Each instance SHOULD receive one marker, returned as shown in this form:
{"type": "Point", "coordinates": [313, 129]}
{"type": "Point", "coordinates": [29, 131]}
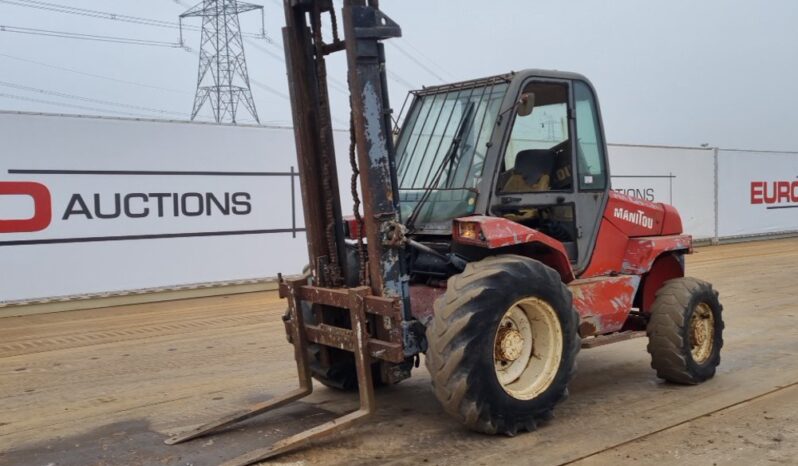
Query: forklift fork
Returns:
{"type": "Point", "coordinates": [359, 343]}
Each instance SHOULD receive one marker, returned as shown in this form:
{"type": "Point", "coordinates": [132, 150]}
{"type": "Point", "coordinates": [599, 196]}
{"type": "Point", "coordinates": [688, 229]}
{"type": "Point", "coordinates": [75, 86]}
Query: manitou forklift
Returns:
{"type": "Point", "coordinates": [490, 241]}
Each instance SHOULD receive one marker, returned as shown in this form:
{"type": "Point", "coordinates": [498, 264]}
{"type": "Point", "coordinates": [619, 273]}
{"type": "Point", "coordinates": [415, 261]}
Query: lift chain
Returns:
{"type": "Point", "coordinates": [333, 269]}
{"type": "Point", "coordinates": [334, 24]}
{"type": "Point", "coordinates": [361, 254]}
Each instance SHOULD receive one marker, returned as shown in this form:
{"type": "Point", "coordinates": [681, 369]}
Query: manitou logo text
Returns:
{"type": "Point", "coordinates": [638, 218]}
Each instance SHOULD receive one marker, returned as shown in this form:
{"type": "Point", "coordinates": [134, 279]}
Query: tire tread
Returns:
{"type": "Point", "coordinates": [667, 330]}
{"type": "Point", "coordinates": [449, 336]}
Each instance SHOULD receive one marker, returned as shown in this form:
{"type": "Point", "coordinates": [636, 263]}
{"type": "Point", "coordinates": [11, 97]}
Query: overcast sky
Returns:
{"type": "Point", "coordinates": [677, 72]}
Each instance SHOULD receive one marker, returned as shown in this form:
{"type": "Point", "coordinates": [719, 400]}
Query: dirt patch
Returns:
{"type": "Point", "coordinates": [135, 443]}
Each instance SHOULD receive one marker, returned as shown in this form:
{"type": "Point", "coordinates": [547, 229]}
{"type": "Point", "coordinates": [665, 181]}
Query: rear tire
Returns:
{"type": "Point", "coordinates": [685, 333]}
{"type": "Point", "coordinates": [475, 367]}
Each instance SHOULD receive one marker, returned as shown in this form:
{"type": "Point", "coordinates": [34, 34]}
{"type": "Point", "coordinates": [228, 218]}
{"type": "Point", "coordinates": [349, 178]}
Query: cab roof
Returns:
{"type": "Point", "coordinates": [499, 78]}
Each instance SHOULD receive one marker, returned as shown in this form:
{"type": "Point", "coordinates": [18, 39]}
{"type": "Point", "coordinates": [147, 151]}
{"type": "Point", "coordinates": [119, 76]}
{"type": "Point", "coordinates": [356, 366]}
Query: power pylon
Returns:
{"type": "Point", "coordinates": [222, 80]}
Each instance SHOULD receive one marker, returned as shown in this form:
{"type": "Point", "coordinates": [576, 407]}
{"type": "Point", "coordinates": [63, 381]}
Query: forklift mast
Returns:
{"type": "Point", "coordinates": [376, 329]}
{"type": "Point", "coordinates": [364, 27]}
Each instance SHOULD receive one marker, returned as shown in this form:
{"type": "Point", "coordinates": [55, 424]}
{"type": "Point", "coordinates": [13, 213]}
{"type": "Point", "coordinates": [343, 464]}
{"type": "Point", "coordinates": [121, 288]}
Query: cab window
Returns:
{"type": "Point", "coordinates": [538, 154]}
{"type": "Point", "coordinates": [589, 146]}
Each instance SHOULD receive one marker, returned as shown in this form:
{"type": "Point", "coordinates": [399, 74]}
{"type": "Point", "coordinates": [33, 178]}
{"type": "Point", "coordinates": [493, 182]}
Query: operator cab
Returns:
{"type": "Point", "coordinates": [527, 146]}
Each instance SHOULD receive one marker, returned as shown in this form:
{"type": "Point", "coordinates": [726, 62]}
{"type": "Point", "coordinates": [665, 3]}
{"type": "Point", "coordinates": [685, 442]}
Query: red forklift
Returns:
{"type": "Point", "coordinates": [490, 242]}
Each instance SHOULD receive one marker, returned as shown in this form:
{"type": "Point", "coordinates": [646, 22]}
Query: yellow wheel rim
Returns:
{"type": "Point", "coordinates": [702, 333]}
{"type": "Point", "coordinates": [527, 348]}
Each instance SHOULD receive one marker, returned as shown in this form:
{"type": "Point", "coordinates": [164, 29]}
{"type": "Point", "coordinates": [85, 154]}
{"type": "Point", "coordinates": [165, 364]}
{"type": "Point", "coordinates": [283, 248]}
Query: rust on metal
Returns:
{"type": "Point", "coordinates": [499, 232]}
{"type": "Point", "coordinates": [377, 312]}
{"type": "Point", "coordinates": [642, 252]}
{"type": "Point", "coordinates": [303, 372]}
{"type": "Point", "coordinates": [337, 337]}
{"type": "Point", "coordinates": [365, 26]}
{"type": "Point", "coordinates": [602, 340]}
{"type": "Point", "coordinates": [422, 298]}
{"type": "Point", "coordinates": [357, 340]}
{"type": "Point", "coordinates": [702, 333]}
{"type": "Point", "coordinates": [461, 85]}
{"type": "Point", "coordinates": [338, 297]}
{"type": "Point", "coordinates": [604, 302]}
{"type": "Point", "coordinates": [307, 84]}
{"type": "Point", "coordinates": [341, 338]}
{"type": "Point", "coordinates": [587, 329]}
{"type": "Point", "coordinates": [509, 344]}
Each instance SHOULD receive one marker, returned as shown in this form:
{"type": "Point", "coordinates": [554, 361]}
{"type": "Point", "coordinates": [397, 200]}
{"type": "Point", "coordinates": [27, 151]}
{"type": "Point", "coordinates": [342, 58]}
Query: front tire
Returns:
{"type": "Point", "coordinates": [685, 333]}
{"type": "Point", "coordinates": [503, 344]}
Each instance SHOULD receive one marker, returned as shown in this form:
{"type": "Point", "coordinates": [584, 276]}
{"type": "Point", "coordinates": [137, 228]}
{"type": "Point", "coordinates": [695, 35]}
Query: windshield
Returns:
{"type": "Point", "coordinates": [427, 142]}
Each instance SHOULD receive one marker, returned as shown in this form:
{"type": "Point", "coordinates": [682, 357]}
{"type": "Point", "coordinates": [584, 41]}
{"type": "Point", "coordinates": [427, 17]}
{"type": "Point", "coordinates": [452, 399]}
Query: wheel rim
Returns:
{"type": "Point", "coordinates": [527, 348]}
{"type": "Point", "coordinates": [702, 333]}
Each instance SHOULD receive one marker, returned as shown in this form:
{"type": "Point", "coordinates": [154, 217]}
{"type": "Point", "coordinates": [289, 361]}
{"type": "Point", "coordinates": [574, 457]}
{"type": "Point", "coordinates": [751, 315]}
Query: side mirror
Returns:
{"type": "Point", "coordinates": [525, 104]}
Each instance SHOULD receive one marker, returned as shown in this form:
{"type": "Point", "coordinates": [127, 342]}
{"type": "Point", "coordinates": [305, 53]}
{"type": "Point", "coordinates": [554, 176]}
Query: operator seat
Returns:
{"type": "Point", "coordinates": [532, 172]}
{"type": "Point", "coordinates": [562, 176]}
{"type": "Point", "coordinates": [539, 170]}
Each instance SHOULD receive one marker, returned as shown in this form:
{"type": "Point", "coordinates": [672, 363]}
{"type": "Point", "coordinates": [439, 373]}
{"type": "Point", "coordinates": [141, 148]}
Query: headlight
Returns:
{"type": "Point", "coordinates": [468, 231]}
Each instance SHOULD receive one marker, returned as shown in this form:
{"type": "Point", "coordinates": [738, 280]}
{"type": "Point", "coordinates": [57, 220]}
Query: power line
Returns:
{"type": "Point", "coordinates": [87, 99]}
{"type": "Point", "coordinates": [58, 8]}
{"type": "Point", "coordinates": [64, 104]}
{"type": "Point", "coordinates": [274, 55]}
{"type": "Point", "coordinates": [269, 89]}
{"type": "Point", "coordinates": [426, 58]}
{"type": "Point", "coordinates": [401, 80]}
{"type": "Point", "coordinates": [95, 37]}
{"type": "Point", "coordinates": [86, 12]}
{"type": "Point", "coordinates": [334, 83]}
{"type": "Point", "coordinates": [417, 62]}
{"type": "Point", "coordinates": [108, 78]}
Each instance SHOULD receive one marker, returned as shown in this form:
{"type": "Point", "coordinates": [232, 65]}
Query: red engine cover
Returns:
{"type": "Point", "coordinates": [636, 217]}
{"type": "Point", "coordinates": [672, 223]}
{"type": "Point", "coordinates": [630, 225]}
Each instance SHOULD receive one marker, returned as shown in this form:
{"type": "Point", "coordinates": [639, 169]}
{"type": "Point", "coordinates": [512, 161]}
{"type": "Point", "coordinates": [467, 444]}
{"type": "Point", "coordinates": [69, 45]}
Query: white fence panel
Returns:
{"type": "Point", "coordinates": [144, 205]}
{"type": "Point", "coordinates": [758, 192]}
{"type": "Point", "coordinates": [98, 205]}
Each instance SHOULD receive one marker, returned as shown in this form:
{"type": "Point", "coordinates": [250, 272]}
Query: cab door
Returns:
{"type": "Point", "coordinates": [592, 174]}
{"type": "Point", "coordinates": [553, 174]}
